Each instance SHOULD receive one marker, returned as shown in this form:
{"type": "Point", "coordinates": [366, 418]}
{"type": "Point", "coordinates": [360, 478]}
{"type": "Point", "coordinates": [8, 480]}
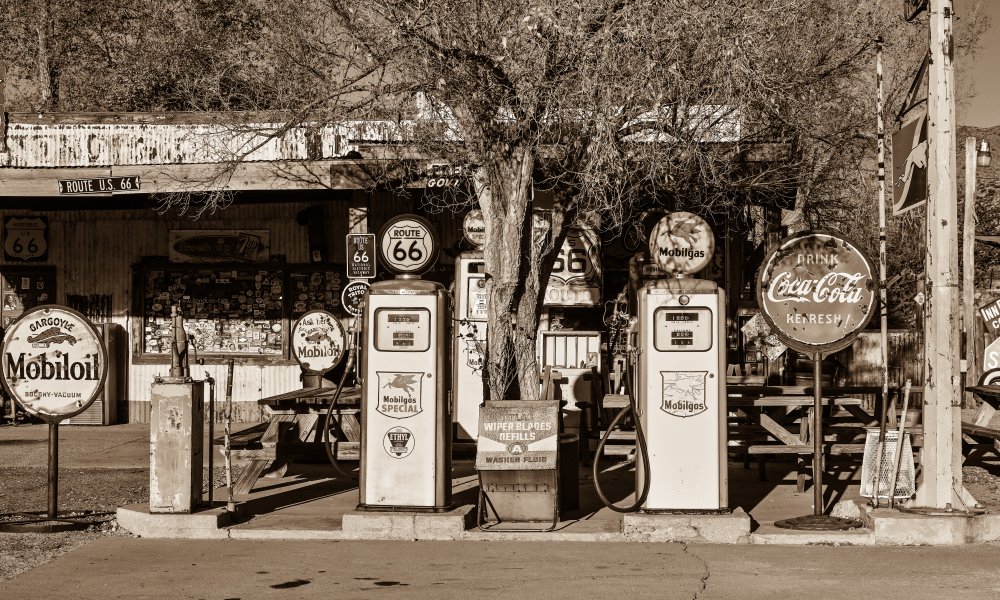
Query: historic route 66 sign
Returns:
{"type": "Point", "coordinates": [25, 238]}
{"type": "Point", "coordinates": [408, 245]}
{"type": "Point", "coordinates": [360, 255]}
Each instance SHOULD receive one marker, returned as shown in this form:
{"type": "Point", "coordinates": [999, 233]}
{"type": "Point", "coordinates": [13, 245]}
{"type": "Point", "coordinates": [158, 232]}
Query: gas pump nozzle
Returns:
{"type": "Point", "coordinates": [352, 349]}
{"type": "Point", "coordinates": [179, 365]}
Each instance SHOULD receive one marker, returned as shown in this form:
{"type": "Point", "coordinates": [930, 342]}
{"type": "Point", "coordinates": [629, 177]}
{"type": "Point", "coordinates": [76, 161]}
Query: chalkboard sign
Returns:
{"type": "Point", "coordinates": [240, 310]}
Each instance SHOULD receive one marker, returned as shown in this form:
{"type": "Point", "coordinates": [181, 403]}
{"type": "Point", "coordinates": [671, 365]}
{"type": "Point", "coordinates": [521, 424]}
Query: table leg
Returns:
{"type": "Point", "coordinates": [269, 442]}
{"type": "Point", "coordinates": [800, 462]}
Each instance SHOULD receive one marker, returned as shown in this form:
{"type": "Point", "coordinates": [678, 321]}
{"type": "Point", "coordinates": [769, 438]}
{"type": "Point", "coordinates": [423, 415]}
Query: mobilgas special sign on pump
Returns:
{"type": "Point", "coordinates": [406, 433]}
{"type": "Point", "coordinates": [681, 391]}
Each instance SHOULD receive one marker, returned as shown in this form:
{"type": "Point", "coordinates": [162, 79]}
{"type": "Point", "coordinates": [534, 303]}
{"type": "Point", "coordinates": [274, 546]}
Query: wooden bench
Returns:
{"type": "Point", "coordinates": [770, 411]}
{"type": "Point", "coordinates": [294, 432]}
{"type": "Point", "coordinates": [978, 434]}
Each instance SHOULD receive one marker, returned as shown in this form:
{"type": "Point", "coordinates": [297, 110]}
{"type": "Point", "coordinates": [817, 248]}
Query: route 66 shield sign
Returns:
{"type": "Point", "coordinates": [25, 238]}
{"type": "Point", "coordinates": [408, 244]}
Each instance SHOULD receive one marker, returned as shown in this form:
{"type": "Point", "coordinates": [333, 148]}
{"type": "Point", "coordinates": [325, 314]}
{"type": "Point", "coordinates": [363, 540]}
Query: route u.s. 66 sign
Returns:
{"type": "Point", "coordinates": [817, 291]}
{"type": "Point", "coordinates": [53, 363]}
{"type": "Point", "coordinates": [408, 245]}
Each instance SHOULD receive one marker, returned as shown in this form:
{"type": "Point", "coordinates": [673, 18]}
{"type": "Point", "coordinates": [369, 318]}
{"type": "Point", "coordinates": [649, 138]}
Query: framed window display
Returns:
{"type": "Point", "coordinates": [229, 310]}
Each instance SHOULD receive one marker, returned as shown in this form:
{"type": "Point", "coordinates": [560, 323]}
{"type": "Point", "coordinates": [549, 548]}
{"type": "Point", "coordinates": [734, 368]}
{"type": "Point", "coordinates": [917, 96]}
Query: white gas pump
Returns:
{"type": "Point", "coordinates": [679, 369]}
{"type": "Point", "coordinates": [468, 351]}
{"type": "Point", "coordinates": [406, 421]}
{"type": "Point", "coordinates": [682, 394]}
{"type": "Point", "coordinates": [682, 372]}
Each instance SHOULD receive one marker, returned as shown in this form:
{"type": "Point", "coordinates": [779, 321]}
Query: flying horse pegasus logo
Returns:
{"type": "Point", "coordinates": [916, 159]}
{"type": "Point", "coordinates": [403, 381]}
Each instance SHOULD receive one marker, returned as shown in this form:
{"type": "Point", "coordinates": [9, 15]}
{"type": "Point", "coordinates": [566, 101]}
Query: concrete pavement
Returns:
{"type": "Point", "coordinates": [310, 502]}
{"type": "Point", "coordinates": [121, 567]}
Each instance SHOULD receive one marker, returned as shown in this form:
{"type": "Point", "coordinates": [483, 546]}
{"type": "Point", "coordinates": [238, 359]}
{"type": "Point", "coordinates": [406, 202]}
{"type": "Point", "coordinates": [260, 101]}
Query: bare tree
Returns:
{"type": "Point", "coordinates": [611, 107]}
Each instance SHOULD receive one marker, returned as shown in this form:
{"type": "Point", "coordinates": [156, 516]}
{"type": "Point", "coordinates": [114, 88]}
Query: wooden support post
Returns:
{"type": "Point", "coordinates": [3, 106]}
{"type": "Point", "coordinates": [968, 265]}
{"type": "Point", "coordinates": [942, 472]}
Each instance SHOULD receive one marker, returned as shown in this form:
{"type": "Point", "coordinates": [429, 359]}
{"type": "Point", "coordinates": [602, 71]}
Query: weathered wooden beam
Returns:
{"type": "Point", "coordinates": [3, 106]}
{"type": "Point", "coordinates": [775, 429]}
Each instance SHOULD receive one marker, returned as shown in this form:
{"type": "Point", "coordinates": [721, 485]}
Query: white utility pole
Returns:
{"type": "Point", "coordinates": [941, 456]}
{"type": "Point", "coordinates": [971, 371]}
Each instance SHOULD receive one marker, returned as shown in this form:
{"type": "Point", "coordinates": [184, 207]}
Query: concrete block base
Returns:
{"type": "Point", "coordinates": [894, 528]}
{"type": "Point", "coordinates": [409, 525]}
{"type": "Point", "coordinates": [984, 529]}
{"type": "Point", "coordinates": [788, 537]}
{"type": "Point", "coordinates": [731, 528]}
{"type": "Point", "coordinates": [206, 524]}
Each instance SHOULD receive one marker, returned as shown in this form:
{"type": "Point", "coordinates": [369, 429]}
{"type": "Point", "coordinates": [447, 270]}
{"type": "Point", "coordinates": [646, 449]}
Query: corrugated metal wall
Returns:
{"type": "Point", "coordinates": [94, 251]}
{"type": "Point", "coordinates": [79, 144]}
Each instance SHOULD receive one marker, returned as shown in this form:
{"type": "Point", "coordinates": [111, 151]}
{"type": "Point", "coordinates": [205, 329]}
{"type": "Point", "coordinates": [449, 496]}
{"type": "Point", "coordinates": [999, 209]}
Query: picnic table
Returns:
{"type": "Point", "coordinates": [777, 420]}
{"type": "Point", "coordinates": [294, 431]}
{"type": "Point", "coordinates": [980, 433]}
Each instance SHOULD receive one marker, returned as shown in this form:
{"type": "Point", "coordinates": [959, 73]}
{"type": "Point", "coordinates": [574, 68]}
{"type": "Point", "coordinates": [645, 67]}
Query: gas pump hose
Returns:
{"type": "Point", "coordinates": [328, 444]}
{"type": "Point", "coordinates": [640, 443]}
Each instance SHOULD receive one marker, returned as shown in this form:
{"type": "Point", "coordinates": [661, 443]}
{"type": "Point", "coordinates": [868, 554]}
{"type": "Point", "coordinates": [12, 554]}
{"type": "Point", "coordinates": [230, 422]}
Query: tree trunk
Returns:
{"type": "Point", "coordinates": [48, 79]}
{"type": "Point", "coordinates": [504, 190]}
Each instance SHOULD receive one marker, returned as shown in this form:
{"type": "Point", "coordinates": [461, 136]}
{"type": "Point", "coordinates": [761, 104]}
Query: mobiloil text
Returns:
{"type": "Point", "coordinates": [62, 368]}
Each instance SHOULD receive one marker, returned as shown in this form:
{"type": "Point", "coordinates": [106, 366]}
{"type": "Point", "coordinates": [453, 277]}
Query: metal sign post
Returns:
{"type": "Point", "coordinates": [817, 427]}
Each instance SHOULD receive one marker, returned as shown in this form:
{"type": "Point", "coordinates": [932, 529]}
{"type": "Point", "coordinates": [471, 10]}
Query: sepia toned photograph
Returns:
{"type": "Point", "coordinates": [514, 299]}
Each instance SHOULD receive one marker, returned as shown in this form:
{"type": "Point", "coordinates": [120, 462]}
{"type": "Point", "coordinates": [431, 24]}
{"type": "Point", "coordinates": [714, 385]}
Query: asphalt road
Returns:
{"type": "Point", "coordinates": [123, 567]}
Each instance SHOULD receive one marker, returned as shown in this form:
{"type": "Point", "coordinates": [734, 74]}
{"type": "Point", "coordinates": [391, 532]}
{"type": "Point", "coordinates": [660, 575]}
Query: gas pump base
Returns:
{"type": "Point", "coordinates": [714, 528]}
{"type": "Point", "coordinates": [449, 524]}
{"type": "Point", "coordinates": [405, 509]}
{"type": "Point", "coordinates": [175, 445]}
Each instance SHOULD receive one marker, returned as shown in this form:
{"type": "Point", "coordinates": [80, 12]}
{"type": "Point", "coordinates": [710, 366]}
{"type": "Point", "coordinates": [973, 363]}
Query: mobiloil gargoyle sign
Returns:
{"type": "Point", "coordinates": [54, 362]}
{"type": "Point", "coordinates": [816, 290]}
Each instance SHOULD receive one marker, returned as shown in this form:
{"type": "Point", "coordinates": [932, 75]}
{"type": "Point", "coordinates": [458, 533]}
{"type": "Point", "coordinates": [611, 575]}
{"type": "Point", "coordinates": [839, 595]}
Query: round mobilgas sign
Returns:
{"type": "Point", "coordinates": [54, 362]}
{"type": "Point", "coordinates": [318, 341]}
{"type": "Point", "coordinates": [353, 297]}
{"type": "Point", "coordinates": [681, 242]}
{"type": "Point", "coordinates": [408, 245]}
{"type": "Point", "coordinates": [475, 228]}
{"type": "Point", "coordinates": [817, 291]}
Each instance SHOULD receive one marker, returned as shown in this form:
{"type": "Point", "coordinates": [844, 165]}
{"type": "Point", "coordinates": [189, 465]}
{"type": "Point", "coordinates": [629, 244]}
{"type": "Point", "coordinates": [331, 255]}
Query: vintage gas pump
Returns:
{"type": "Point", "coordinates": [469, 337]}
{"type": "Point", "coordinates": [406, 432]}
{"type": "Point", "coordinates": [679, 393]}
{"type": "Point", "coordinates": [681, 372]}
{"type": "Point", "coordinates": [175, 431]}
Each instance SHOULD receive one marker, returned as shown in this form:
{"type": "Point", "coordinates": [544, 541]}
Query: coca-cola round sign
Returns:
{"type": "Point", "coordinates": [817, 291]}
{"type": "Point", "coordinates": [54, 362]}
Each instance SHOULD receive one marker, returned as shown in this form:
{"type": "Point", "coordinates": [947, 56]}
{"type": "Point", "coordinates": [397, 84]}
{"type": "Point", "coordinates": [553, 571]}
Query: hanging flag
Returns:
{"type": "Point", "coordinates": [909, 146]}
{"type": "Point", "coordinates": [909, 165]}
